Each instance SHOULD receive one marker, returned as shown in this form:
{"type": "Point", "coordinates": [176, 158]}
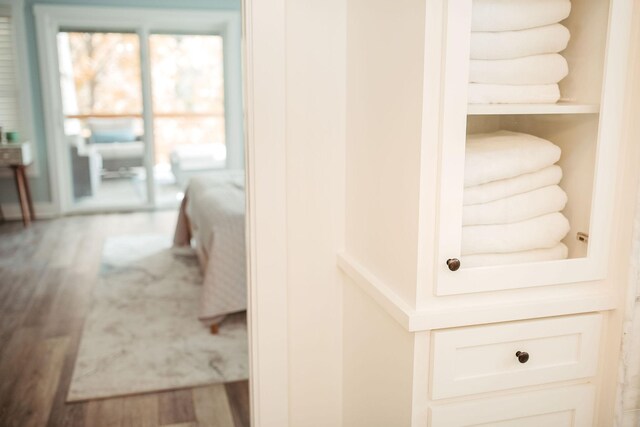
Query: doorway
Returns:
{"type": "Point", "coordinates": [266, 177]}
{"type": "Point", "coordinates": [101, 88]}
{"type": "Point", "coordinates": [140, 105]}
{"type": "Point", "coordinates": [187, 81]}
{"type": "Point", "coordinates": [104, 125]}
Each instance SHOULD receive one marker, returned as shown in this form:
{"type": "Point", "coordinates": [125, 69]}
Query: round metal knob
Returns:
{"type": "Point", "coordinates": [453, 264]}
{"type": "Point", "coordinates": [523, 356]}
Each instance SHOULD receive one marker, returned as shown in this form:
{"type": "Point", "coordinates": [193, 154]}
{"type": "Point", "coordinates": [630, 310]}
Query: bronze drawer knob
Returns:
{"type": "Point", "coordinates": [523, 356]}
{"type": "Point", "coordinates": [453, 264]}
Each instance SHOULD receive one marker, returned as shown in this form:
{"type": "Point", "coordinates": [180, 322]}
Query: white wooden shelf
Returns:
{"type": "Point", "coordinates": [443, 314]}
{"type": "Point", "coordinates": [506, 109]}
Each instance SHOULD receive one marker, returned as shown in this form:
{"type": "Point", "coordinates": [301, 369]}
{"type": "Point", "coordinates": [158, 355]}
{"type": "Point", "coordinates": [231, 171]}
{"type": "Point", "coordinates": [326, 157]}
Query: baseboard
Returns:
{"type": "Point", "coordinates": [44, 210]}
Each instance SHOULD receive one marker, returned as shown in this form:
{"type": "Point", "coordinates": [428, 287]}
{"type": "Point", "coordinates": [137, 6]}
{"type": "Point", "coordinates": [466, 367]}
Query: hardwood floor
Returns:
{"type": "Point", "coordinates": [47, 273]}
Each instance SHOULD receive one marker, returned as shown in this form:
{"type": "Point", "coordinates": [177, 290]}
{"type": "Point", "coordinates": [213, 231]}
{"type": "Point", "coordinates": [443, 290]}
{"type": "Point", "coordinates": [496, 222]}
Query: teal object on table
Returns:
{"type": "Point", "coordinates": [12, 136]}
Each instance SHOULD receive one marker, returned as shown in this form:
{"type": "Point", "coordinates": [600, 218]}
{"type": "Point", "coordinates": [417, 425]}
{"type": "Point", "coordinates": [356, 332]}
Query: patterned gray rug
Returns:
{"type": "Point", "coordinates": [143, 335]}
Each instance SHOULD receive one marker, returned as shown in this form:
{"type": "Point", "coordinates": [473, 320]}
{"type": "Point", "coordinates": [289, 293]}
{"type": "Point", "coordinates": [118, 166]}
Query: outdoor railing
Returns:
{"type": "Point", "coordinates": [139, 115]}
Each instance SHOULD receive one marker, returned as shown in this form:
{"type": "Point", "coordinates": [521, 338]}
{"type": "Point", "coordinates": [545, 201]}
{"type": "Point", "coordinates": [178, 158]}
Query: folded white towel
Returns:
{"type": "Point", "coordinates": [505, 154]}
{"type": "Point", "coordinates": [496, 190]}
{"type": "Point", "coordinates": [560, 251]}
{"type": "Point", "coordinates": [537, 233]}
{"type": "Point", "coordinates": [529, 70]}
{"type": "Point", "coordinates": [513, 94]}
{"type": "Point", "coordinates": [506, 15]}
{"type": "Point", "coordinates": [517, 44]}
{"type": "Point", "coordinates": [516, 208]}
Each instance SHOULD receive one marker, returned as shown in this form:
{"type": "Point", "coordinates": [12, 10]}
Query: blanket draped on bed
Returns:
{"type": "Point", "coordinates": [212, 214]}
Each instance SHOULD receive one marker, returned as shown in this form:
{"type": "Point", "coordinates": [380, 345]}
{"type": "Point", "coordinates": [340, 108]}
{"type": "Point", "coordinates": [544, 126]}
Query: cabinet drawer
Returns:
{"type": "Point", "coordinates": [561, 407]}
{"type": "Point", "coordinates": [480, 359]}
{"type": "Point", "coordinates": [15, 154]}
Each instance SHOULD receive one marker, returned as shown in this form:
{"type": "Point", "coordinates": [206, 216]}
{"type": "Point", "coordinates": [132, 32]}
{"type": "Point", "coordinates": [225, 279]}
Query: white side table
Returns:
{"type": "Point", "coordinates": [18, 156]}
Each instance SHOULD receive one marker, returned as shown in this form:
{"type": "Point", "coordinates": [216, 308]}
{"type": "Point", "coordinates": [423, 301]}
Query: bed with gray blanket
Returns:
{"type": "Point", "coordinates": [211, 219]}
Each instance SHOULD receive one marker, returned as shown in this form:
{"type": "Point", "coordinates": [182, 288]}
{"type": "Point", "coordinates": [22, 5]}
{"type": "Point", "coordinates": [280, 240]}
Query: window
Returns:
{"type": "Point", "coordinates": [9, 108]}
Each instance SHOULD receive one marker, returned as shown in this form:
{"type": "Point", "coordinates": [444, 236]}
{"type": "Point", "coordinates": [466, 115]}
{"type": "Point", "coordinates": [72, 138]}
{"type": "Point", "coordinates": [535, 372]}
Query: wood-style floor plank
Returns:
{"type": "Point", "coordinates": [180, 425]}
{"type": "Point", "coordinates": [212, 406]}
{"type": "Point", "coordinates": [68, 415]}
{"type": "Point", "coordinates": [104, 413]}
{"type": "Point", "coordinates": [176, 407]}
{"type": "Point", "coordinates": [140, 411]}
{"type": "Point", "coordinates": [62, 413]}
{"type": "Point", "coordinates": [238, 394]}
{"type": "Point", "coordinates": [33, 393]}
{"type": "Point", "coordinates": [14, 352]}
{"type": "Point", "coordinates": [38, 311]}
{"type": "Point", "coordinates": [47, 274]}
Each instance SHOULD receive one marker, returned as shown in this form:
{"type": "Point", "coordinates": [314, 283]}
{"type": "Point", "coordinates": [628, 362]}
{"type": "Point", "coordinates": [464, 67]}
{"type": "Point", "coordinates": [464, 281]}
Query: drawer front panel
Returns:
{"type": "Point", "coordinates": [561, 407]}
{"type": "Point", "coordinates": [15, 154]}
{"type": "Point", "coordinates": [10, 157]}
{"type": "Point", "coordinates": [481, 359]}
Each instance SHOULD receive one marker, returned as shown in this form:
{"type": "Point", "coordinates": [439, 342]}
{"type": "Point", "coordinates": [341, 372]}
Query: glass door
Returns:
{"type": "Point", "coordinates": [187, 81]}
{"type": "Point", "coordinates": [142, 114]}
{"type": "Point", "coordinates": [104, 140]}
{"type": "Point", "coordinates": [529, 147]}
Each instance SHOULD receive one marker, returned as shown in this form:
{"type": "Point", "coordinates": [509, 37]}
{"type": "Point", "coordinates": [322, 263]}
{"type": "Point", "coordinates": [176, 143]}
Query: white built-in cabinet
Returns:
{"type": "Point", "coordinates": [428, 342]}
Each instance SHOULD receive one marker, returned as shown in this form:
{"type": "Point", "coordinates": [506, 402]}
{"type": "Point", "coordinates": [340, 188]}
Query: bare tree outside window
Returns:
{"type": "Point", "coordinates": [103, 80]}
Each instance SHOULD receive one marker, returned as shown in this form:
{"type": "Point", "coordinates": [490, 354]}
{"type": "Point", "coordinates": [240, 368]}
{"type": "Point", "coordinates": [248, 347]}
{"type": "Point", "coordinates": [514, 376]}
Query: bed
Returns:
{"type": "Point", "coordinates": [211, 219]}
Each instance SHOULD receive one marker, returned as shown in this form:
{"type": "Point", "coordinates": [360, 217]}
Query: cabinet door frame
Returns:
{"type": "Point", "coordinates": [578, 400]}
{"type": "Point", "coordinates": [452, 144]}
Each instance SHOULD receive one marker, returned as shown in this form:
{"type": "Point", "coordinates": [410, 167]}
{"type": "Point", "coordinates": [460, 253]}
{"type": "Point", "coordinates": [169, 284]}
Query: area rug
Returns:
{"type": "Point", "coordinates": [142, 333]}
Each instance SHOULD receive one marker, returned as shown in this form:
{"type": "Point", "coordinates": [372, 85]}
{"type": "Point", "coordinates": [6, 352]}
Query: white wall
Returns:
{"type": "Point", "coordinates": [373, 372]}
{"type": "Point", "coordinates": [385, 45]}
{"type": "Point", "coordinates": [315, 102]}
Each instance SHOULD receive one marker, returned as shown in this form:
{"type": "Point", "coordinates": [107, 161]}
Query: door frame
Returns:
{"type": "Point", "coordinates": [450, 175]}
{"type": "Point", "coordinates": [264, 26]}
{"type": "Point", "coordinates": [51, 18]}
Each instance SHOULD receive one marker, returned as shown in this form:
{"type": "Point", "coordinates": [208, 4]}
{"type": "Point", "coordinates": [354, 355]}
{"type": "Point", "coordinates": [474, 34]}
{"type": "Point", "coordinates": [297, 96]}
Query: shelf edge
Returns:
{"type": "Point", "coordinates": [465, 315]}
{"type": "Point", "coordinates": [533, 109]}
{"type": "Point", "coordinates": [391, 302]}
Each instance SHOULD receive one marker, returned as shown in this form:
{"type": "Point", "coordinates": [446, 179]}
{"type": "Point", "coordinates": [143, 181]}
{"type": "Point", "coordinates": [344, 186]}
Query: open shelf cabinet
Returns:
{"type": "Point", "coordinates": [409, 134]}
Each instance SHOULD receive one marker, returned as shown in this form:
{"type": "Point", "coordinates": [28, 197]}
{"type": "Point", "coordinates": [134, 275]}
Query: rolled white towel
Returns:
{"type": "Point", "coordinates": [517, 44]}
{"type": "Point", "coordinates": [480, 93]}
{"type": "Point", "coordinates": [505, 154]}
{"type": "Point", "coordinates": [537, 233]}
{"type": "Point", "coordinates": [516, 208]}
{"type": "Point", "coordinates": [560, 251]}
{"type": "Point", "coordinates": [507, 15]}
{"type": "Point", "coordinates": [496, 190]}
{"type": "Point", "coordinates": [529, 70]}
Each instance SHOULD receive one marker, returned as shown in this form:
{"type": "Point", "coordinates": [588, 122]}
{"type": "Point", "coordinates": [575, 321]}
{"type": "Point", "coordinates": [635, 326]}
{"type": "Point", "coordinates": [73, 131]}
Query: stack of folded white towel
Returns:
{"type": "Point", "coordinates": [512, 200]}
{"type": "Point", "coordinates": [514, 51]}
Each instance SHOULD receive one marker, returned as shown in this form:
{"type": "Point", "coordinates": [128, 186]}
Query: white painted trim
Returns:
{"type": "Point", "coordinates": [264, 26]}
{"type": "Point", "coordinates": [559, 108]}
{"type": "Point", "coordinates": [174, 20]}
{"type": "Point", "coordinates": [147, 114]}
{"type": "Point", "coordinates": [451, 170]}
{"type": "Point", "coordinates": [440, 314]}
{"type": "Point", "coordinates": [390, 301]}
{"type": "Point", "coordinates": [50, 18]}
{"type": "Point", "coordinates": [233, 96]}
{"type": "Point", "coordinates": [44, 210]}
{"type": "Point", "coordinates": [97, 209]}
{"type": "Point", "coordinates": [430, 153]}
{"type": "Point", "coordinates": [421, 366]}
{"type": "Point", "coordinates": [52, 115]}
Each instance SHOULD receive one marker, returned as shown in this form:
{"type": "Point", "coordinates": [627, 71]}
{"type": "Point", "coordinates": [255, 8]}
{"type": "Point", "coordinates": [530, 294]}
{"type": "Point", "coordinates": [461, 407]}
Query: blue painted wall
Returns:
{"type": "Point", "coordinates": [40, 185]}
